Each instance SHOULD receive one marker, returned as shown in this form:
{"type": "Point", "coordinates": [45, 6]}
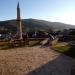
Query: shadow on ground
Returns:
{"type": "Point", "coordinates": [62, 65]}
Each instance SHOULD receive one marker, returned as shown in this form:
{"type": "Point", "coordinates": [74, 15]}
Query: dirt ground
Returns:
{"type": "Point", "coordinates": [34, 61]}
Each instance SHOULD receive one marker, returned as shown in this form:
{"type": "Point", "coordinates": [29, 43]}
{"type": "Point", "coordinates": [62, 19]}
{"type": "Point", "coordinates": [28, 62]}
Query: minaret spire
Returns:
{"type": "Point", "coordinates": [18, 5]}
{"type": "Point", "coordinates": [19, 31]}
{"type": "Point", "coordinates": [18, 11]}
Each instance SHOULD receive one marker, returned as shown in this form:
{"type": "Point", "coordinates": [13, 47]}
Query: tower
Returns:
{"type": "Point", "coordinates": [19, 28]}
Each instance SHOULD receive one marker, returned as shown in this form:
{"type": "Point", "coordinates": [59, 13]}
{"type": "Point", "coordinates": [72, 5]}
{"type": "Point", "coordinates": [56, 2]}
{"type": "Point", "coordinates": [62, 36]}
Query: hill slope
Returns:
{"type": "Point", "coordinates": [32, 24]}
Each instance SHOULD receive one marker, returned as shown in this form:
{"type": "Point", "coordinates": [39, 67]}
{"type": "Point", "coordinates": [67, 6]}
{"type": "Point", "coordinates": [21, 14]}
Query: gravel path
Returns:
{"type": "Point", "coordinates": [34, 61]}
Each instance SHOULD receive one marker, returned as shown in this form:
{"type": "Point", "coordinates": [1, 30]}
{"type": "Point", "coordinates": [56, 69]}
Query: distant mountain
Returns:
{"type": "Point", "coordinates": [31, 24]}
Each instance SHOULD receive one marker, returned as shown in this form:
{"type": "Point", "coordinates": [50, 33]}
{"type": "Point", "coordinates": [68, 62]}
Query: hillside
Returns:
{"type": "Point", "coordinates": [31, 24]}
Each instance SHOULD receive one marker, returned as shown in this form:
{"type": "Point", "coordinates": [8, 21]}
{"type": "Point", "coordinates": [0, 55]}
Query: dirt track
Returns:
{"type": "Point", "coordinates": [34, 61]}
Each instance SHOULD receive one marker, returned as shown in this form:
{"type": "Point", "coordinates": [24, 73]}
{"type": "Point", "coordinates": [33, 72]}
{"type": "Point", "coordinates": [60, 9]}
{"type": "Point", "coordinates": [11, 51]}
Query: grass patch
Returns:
{"type": "Point", "coordinates": [4, 45]}
{"type": "Point", "coordinates": [34, 43]}
{"type": "Point", "coordinates": [60, 48]}
{"type": "Point", "coordinates": [71, 51]}
{"type": "Point", "coordinates": [65, 48]}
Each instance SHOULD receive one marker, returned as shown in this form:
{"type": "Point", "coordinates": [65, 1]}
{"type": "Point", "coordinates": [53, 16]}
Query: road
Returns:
{"type": "Point", "coordinates": [34, 61]}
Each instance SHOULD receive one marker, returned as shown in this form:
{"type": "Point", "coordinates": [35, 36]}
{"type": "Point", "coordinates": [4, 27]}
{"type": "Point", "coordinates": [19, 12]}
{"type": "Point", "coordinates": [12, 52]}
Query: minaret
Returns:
{"type": "Point", "coordinates": [19, 28]}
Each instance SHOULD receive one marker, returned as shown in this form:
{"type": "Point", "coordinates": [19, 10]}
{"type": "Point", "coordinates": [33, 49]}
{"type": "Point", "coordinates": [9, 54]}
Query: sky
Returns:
{"type": "Point", "coordinates": [50, 10]}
